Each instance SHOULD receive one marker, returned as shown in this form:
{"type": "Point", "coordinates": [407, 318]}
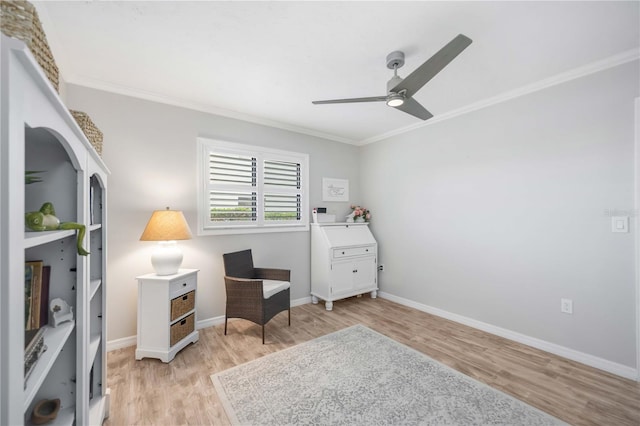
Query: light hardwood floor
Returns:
{"type": "Point", "coordinates": [149, 392]}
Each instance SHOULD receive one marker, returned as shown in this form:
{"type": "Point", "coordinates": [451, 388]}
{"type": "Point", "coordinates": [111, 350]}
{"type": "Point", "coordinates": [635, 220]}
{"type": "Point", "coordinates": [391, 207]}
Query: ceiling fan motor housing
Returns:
{"type": "Point", "coordinates": [393, 82]}
{"type": "Point", "coordinates": [395, 59]}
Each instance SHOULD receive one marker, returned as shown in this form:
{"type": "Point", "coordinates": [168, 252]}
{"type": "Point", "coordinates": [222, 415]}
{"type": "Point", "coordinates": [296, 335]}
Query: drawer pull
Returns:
{"type": "Point", "coordinates": [342, 252]}
{"type": "Point", "coordinates": [355, 270]}
{"type": "Point", "coordinates": [184, 284]}
{"type": "Point", "coordinates": [183, 322]}
{"type": "Point", "coordinates": [185, 297]}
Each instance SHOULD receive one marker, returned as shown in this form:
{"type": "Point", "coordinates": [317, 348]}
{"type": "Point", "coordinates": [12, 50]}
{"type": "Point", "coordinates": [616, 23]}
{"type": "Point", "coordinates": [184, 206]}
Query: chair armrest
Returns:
{"type": "Point", "coordinates": [272, 274]}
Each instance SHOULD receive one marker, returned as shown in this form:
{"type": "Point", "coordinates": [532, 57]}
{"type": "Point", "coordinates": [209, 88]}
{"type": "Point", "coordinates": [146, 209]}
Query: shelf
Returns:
{"type": "Point", "coordinates": [97, 408]}
{"type": "Point", "coordinates": [94, 285]}
{"type": "Point", "coordinates": [94, 344]}
{"type": "Point", "coordinates": [33, 239]}
{"type": "Point", "coordinates": [95, 227]}
{"type": "Point", "coordinates": [54, 339]}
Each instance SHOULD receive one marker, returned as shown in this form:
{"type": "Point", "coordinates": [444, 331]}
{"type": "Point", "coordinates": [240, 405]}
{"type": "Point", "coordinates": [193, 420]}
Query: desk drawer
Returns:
{"type": "Point", "coordinates": [182, 304]}
{"type": "Point", "coordinates": [353, 251]}
{"type": "Point", "coordinates": [182, 286]}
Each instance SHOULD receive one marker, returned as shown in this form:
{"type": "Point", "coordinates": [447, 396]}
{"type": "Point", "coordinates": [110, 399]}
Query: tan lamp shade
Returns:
{"type": "Point", "coordinates": [166, 225]}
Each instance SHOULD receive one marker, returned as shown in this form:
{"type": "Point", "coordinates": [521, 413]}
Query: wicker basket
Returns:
{"type": "Point", "coordinates": [90, 130]}
{"type": "Point", "coordinates": [182, 304]}
{"type": "Point", "coordinates": [181, 329]}
{"type": "Point", "coordinates": [19, 19]}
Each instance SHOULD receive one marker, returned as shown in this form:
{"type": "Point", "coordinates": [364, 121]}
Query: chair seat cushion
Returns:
{"type": "Point", "coordinates": [271, 287]}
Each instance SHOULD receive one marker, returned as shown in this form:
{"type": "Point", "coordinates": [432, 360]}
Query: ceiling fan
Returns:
{"type": "Point", "coordinates": [400, 91]}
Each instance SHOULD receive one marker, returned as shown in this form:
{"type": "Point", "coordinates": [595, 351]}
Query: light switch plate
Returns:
{"type": "Point", "coordinates": [619, 223]}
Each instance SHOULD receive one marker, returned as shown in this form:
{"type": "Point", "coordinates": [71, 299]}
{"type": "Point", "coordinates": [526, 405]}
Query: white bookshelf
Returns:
{"type": "Point", "coordinates": [37, 132]}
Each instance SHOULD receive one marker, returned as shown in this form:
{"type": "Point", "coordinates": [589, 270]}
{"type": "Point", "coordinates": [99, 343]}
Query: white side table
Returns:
{"type": "Point", "coordinates": [166, 314]}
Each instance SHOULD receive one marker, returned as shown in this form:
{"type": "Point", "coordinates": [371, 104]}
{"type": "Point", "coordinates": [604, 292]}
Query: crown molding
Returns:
{"type": "Point", "coordinates": [198, 106]}
{"type": "Point", "coordinates": [610, 62]}
{"type": "Point", "coordinates": [607, 63]}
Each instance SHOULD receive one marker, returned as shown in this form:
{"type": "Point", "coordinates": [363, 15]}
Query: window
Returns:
{"type": "Point", "coordinates": [247, 189]}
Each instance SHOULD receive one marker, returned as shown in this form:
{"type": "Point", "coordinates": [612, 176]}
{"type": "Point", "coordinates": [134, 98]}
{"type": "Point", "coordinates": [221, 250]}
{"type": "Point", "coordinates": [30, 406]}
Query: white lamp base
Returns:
{"type": "Point", "coordinates": [166, 258]}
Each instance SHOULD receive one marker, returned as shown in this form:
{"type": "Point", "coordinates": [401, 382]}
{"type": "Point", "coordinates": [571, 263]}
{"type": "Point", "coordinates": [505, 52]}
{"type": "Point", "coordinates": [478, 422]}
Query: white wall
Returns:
{"type": "Point", "coordinates": [150, 149]}
{"type": "Point", "coordinates": [497, 214]}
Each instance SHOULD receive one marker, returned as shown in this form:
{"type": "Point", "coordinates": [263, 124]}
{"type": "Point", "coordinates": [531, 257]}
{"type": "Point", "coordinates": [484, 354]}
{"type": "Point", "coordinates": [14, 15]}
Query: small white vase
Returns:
{"type": "Point", "coordinates": [360, 219]}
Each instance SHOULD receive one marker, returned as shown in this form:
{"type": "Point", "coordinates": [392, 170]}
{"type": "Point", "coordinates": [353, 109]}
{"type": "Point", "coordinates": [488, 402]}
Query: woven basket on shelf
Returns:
{"type": "Point", "coordinates": [181, 329]}
{"type": "Point", "coordinates": [182, 304]}
{"type": "Point", "coordinates": [90, 130]}
{"type": "Point", "coordinates": [19, 19]}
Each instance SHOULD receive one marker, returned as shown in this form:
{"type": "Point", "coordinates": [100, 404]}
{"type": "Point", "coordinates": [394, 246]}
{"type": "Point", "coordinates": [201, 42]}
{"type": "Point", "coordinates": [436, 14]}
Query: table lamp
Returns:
{"type": "Point", "coordinates": [165, 227]}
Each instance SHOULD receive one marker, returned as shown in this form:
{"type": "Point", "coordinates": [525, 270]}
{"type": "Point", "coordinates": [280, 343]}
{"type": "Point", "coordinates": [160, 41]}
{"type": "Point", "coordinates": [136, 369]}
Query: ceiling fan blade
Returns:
{"type": "Point", "coordinates": [411, 106]}
{"type": "Point", "coordinates": [352, 100]}
{"type": "Point", "coordinates": [425, 72]}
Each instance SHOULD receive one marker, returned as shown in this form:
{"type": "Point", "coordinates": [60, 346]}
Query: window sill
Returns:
{"type": "Point", "coordinates": [252, 230]}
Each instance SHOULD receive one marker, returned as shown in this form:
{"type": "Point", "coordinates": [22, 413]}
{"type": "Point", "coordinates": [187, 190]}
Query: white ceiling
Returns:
{"type": "Point", "coordinates": [266, 61]}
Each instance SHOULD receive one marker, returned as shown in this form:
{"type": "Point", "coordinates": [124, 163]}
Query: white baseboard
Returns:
{"type": "Point", "coordinates": [124, 342]}
{"type": "Point", "coordinates": [581, 357]}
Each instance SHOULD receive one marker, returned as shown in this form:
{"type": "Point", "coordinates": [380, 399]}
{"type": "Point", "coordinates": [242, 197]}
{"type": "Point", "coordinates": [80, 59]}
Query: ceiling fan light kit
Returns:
{"type": "Point", "coordinates": [395, 99]}
{"type": "Point", "coordinates": [400, 91]}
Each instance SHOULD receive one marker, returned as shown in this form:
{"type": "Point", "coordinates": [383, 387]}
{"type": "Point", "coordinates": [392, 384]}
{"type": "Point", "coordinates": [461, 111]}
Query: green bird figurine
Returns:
{"type": "Point", "coordinates": [45, 220]}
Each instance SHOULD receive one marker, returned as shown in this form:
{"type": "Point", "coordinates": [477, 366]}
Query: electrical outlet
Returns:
{"type": "Point", "coordinates": [566, 306]}
{"type": "Point", "coordinates": [381, 268]}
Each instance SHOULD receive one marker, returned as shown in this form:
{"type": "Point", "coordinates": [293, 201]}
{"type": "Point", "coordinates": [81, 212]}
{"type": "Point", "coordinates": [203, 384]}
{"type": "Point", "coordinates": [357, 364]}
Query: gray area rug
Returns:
{"type": "Point", "coordinates": [357, 376]}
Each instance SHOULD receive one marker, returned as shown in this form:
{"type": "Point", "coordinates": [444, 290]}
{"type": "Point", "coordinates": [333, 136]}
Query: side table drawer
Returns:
{"type": "Point", "coordinates": [182, 286]}
{"type": "Point", "coordinates": [181, 329]}
{"type": "Point", "coordinates": [182, 304]}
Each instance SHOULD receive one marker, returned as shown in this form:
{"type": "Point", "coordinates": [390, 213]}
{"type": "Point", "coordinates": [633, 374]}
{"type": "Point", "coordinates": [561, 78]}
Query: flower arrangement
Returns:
{"type": "Point", "coordinates": [360, 213]}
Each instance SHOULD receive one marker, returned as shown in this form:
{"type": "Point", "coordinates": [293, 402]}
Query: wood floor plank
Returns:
{"type": "Point", "coordinates": [150, 392]}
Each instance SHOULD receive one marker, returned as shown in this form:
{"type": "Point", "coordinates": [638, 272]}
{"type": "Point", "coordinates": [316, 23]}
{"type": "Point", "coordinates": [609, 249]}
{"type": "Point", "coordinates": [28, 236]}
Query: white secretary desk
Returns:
{"type": "Point", "coordinates": [344, 262]}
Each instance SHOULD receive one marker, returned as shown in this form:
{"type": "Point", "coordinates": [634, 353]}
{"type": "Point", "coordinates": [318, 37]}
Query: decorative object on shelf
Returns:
{"type": "Point", "coordinates": [19, 19]}
{"type": "Point", "coordinates": [359, 214]}
{"type": "Point", "coordinates": [320, 215]}
{"type": "Point", "coordinates": [60, 311]}
{"type": "Point", "coordinates": [89, 129]}
{"type": "Point", "coordinates": [165, 227]}
{"type": "Point", "coordinates": [335, 189]}
{"type": "Point", "coordinates": [29, 177]}
{"type": "Point", "coordinates": [45, 411]}
{"type": "Point", "coordinates": [45, 220]}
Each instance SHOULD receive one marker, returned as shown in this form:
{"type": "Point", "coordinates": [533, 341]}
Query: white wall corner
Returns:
{"type": "Point", "coordinates": [590, 360]}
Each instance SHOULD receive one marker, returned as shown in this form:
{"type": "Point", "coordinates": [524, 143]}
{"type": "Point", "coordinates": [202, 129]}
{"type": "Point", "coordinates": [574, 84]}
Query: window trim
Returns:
{"type": "Point", "coordinates": [206, 227]}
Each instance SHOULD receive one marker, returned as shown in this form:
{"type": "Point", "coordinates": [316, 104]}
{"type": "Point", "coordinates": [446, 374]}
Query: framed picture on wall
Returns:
{"type": "Point", "coordinates": [335, 189]}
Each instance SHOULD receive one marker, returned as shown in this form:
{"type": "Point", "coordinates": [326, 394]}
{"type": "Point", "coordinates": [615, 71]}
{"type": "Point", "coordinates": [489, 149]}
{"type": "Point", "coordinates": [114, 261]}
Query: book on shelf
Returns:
{"type": "Point", "coordinates": [44, 296]}
{"type": "Point", "coordinates": [36, 294]}
{"type": "Point", "coordinates": [33, 347]}
{"type": "Point", "coordinates": [28, 279]}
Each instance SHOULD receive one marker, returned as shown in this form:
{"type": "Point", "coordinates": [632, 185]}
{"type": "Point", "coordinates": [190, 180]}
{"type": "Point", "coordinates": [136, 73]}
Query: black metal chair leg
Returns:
{"type": "Point", "coordinates": [289, 316]}
{"type": "Point", "coordinates": [263, 334]}
{"type": "Point", "coordinates": [225, 325]}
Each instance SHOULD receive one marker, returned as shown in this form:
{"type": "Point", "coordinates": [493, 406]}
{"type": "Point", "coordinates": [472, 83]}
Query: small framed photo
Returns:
{"type": "Point", "coordinates": [335, 189]}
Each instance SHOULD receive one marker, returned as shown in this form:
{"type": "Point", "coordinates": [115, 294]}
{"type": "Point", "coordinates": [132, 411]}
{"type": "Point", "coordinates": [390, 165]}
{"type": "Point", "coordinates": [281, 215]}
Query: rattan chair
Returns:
{"type": "Point", "coordinates": [254, 294]}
